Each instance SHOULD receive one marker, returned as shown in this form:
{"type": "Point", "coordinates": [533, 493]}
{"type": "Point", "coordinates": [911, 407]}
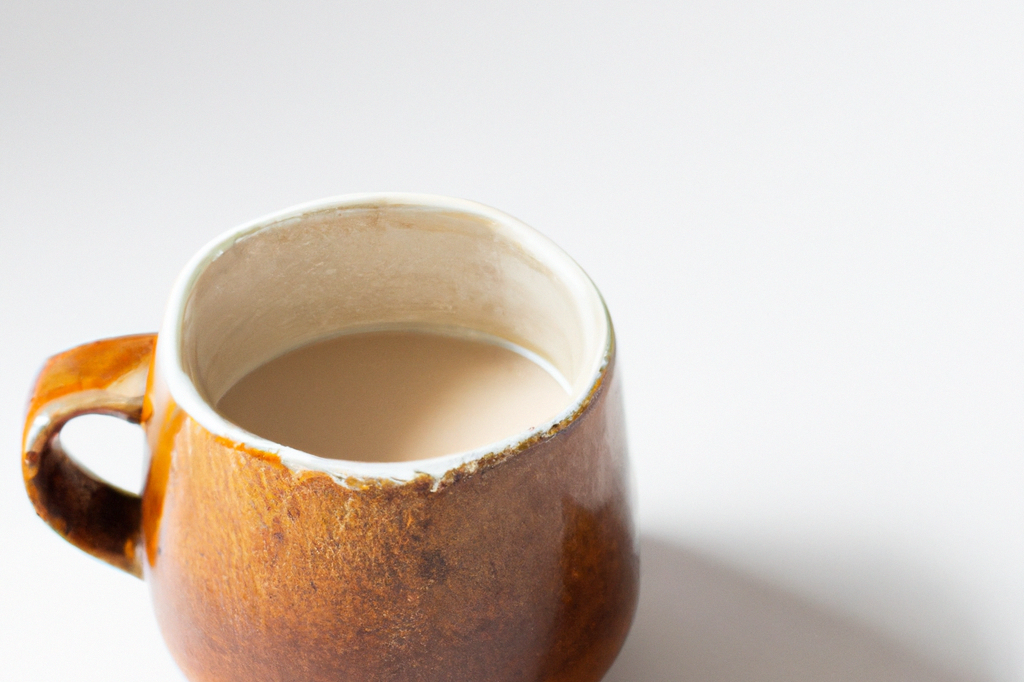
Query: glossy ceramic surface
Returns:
{"type": "Point", "coordinates": [518, 562]}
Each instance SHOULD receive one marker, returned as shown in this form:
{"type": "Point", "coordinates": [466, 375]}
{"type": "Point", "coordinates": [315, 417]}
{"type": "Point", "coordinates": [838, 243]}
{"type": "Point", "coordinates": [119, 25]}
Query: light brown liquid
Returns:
{"type": "Point", "coordinates": [393, 396]}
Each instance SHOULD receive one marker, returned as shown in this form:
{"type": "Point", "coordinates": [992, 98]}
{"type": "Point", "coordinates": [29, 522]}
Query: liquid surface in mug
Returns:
{"type": "Point", "coordinates": [393, 396]}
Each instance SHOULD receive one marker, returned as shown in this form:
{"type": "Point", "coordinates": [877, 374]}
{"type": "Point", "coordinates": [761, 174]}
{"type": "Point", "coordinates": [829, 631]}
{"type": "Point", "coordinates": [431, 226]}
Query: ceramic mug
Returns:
{"type": "Point", "coordinates": [516, 561]}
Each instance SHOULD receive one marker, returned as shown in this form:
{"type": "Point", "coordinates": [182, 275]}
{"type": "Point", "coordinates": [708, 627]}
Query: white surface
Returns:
{"type": "Point", "coordinates": [807, 220]}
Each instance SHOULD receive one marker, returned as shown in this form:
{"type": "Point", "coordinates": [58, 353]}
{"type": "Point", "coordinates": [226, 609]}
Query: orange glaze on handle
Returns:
{"type": "Point", "coordinates": [103, 377]}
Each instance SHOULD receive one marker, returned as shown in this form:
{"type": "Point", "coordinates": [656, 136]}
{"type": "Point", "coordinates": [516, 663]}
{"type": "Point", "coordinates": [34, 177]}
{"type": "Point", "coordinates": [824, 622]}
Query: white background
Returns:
{"type": "Point", "coordinates": [807, 220]}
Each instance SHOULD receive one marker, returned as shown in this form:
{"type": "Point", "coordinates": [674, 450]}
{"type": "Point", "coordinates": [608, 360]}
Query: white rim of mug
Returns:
{"type": "Point", "coordinates": [188, 398]}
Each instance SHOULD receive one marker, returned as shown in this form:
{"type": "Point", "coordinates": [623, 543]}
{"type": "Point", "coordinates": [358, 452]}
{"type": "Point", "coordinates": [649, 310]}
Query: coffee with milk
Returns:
{"type": "Point", "coordinates": [388, 396]}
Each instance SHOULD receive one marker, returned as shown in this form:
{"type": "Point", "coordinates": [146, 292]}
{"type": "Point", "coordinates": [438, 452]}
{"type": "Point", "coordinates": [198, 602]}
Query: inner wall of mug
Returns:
{"type": "Point", "coordinates": [381, 264]}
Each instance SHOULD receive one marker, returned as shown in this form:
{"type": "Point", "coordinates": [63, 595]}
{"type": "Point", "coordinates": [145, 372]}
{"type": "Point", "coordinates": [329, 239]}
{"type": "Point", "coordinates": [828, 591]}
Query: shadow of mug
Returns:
{"type": "Point", "coordinates": [701, 621]}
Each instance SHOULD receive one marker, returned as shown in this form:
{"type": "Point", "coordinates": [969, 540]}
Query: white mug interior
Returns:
{"type": "Point", "coordinates": [373, 262]}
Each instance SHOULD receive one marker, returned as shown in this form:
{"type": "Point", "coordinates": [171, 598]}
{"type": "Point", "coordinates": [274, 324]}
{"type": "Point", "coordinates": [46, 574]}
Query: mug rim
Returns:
{"type": "Point", "coordinates": [186, 395]}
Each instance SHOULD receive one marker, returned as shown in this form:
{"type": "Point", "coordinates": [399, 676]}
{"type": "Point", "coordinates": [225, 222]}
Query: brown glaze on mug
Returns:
{"type": "Point", "coordinates": [520, 564]}
{"type": "Point", "coordinates": [523, 569]}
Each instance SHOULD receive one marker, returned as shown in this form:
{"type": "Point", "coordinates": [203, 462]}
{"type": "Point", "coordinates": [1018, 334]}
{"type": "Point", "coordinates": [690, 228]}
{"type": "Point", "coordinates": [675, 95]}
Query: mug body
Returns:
{"type": "Point", "coordinates": [516, 561]}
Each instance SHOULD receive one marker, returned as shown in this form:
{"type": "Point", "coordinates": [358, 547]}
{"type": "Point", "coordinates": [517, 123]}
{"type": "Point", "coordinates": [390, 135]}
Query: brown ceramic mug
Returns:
{"type": "Point", "coordinates": [517, 561]}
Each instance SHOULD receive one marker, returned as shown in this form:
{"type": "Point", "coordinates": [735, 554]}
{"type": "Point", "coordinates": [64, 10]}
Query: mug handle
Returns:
{"type": "Point", "coordinates": [104, 377]}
